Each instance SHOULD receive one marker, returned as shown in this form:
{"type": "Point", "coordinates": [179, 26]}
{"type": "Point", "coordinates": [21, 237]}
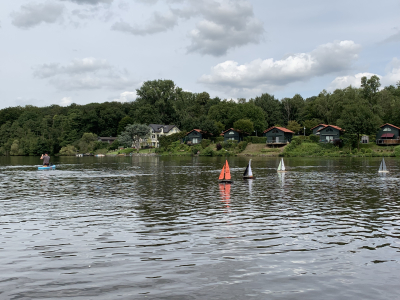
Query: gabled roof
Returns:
{"type": "Point", "coordinates": [333, 126]}
{"type": "Point", "coordinates": [390, 125]}
{"type": "Point", "coordinates": [157, 127]}
{"type": "Point", "coordinates": [199, 131]}
{"type": "Point", "coordinates": [279, 128]}
{"type": "Point", "coordinates": [318, 125]}
{"type": "Point", "coordinates": [233, 130]}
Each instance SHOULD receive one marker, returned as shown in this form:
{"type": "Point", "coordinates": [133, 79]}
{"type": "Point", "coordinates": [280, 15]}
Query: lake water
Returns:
{"type": "Point", "coordinates": [163, 228]}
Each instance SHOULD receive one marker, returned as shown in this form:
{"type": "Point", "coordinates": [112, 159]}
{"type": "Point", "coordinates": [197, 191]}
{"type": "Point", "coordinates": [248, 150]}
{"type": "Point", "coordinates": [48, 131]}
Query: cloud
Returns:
{"type": "Point", "coordinates": [342, 82]}
{"type": "Point", "coordinates": [33, 14]}
{"type": "Point", "coordinates": [84, 74]}
{"type": "Point", "coordinates": [227, 24]}
{"type": "Point", "coordinates": [394, 38]}
{"type": "Point", "coordinates": [391, 77]}
{"type": "Point", "coordinates": [126, 97]}
{"type": "Point", "coordinates": [223, 24]}
{"type": "Point", "coordinates": [271, 74]}
{"type": "Point", "coordinates": [66, 101]}
{"type": "Point", "coordinates": [157, 23]}
{"type": "Point", "coordinates": [92, 2]}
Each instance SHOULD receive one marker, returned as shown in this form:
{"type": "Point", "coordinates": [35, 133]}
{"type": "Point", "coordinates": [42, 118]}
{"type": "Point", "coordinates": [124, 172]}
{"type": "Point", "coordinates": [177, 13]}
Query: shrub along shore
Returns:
{"type": "Point", "coordinates": [300, 146]}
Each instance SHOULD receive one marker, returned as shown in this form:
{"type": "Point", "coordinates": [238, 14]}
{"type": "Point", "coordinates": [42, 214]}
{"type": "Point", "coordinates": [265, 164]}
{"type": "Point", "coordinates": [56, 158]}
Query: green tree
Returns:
{"type": "Point", "coordinates": [87, 143]}
{"type": "Point", "coordinates": [244, 125]}
{"type": "Point", "coordinates": [133, 134]}
{"type": "Point", "coordinates": [294, 126]}
{"type": "Point", "coordinates": [358, 119]}
{"type": "Point", "coordinates": [68, 150]}
{"type": "Point", "coordinates": [272, 109]}
{"type": "Point", "coordinates": [308, 124]}
{"type": "Point", "coordinates": [125, 121]}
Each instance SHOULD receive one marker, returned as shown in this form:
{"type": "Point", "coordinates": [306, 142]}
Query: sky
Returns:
{"type": "Point", "coordinates": [83, 51]}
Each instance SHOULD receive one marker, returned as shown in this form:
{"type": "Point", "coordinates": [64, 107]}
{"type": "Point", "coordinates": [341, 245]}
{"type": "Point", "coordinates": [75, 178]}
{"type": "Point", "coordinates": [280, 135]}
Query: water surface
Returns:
{"type": "Point", "coordinates": [163, 228]}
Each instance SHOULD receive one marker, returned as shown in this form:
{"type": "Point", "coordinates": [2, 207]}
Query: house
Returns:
{"type": "Point", "coordinates": [156, 131]}
{"type": "Point", "coordinates": [388, 134]}
{"type": "Point", "coordinates": [278, 135]}
{"type": "Point", "coordinates": [109, 140]}
{"type": "Point", "coordinates": [196, 135]}
{"type": "Point", "coordinates": [329, 133]}
{"type": "Point", "coordinates": [318, 127]}
{"type": "Point", "coordinates": [233, 135]}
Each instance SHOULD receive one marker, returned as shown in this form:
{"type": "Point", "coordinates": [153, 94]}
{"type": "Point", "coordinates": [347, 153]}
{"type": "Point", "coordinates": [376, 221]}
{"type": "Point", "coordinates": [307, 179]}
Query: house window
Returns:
{"type": "Point", "coordinates": [195, 141]}
{"type": "Point", "coordinates": [231, 132]}
{"type": "Point", "coordinates": [387, 129]}
{"type": "Point", "coordinates": [329, 138]}
{"type": "Point", "coordinates": [231, 139]}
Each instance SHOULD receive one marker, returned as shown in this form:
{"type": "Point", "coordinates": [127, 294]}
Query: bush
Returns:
{"type": "Point", "coordinates": [114, 145]}
{"type": "Point", "coordinates": [397, 151]}
{"type": "Point", "coordinates": [205, 143]}
{"type": "Point", "coordinates": [314, 138]}
{"type": "Point", "coordinates": [219, 146]}
{"type": "Point", "coordinates": [207, 152]}
{"type": "Point", "coordinates": [218, 139]}
{"type": "Point", "coordinates": [167, 140]}
{"type": "Point", "coordinates": [241, 146]}
{"type": "Point", "coordinates": [229, 145]}
{"type": "Point", "coordinates": [196, 148]}
{"type": "Point", "coordinates": [296, 141]}
{"type": "Point", "coordinates": [68, 150]}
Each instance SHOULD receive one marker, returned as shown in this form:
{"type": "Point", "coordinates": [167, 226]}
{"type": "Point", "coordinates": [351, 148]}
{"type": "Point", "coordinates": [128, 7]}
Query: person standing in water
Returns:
{"type": "Point", "coordinates": [46, 159]}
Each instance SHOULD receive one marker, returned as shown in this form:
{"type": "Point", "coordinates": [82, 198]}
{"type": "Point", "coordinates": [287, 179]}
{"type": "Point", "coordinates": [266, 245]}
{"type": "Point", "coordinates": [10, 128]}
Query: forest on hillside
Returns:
{"type": "Point", "coordinates": [33, 130]}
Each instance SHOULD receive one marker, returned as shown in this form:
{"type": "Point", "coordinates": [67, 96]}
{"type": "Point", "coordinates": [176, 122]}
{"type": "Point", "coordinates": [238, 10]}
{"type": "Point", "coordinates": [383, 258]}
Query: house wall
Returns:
{"type": "Point", "coordinates": [328, 134]}
{"type": "Point", "coordinates": [283, 136]}
{"type": "Point", "coordinates": [315, 130]}
{"type": "Point", "coordinates": [194, 135]}
{"type": "Point", "coordinates": [232, 135]}
{"type": "Point", "coordinates": [389, 129]}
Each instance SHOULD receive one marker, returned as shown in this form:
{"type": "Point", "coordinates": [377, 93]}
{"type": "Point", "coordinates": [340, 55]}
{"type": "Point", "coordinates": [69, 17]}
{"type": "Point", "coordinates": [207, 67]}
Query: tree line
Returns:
{"type": "Point", "coordinates": [32, 130]}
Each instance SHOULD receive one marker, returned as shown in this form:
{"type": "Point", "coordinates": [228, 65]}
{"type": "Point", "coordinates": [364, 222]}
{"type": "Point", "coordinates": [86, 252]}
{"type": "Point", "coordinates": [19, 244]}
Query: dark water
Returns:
{"type": "Point", "coordinates": [163, 228]}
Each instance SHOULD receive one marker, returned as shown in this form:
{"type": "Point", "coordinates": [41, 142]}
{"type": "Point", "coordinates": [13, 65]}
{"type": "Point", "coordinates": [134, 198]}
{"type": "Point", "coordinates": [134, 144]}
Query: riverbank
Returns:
{"type": "Point", "coordinates": [307, 148]}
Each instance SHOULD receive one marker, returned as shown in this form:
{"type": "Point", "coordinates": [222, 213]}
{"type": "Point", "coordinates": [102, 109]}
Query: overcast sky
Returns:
{"type": "Point", "coordinates": [83, 51]}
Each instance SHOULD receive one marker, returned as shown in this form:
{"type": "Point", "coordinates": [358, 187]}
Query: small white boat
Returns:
{"type": "Point", "coordinates": [382, 167]}
{"type": "Point", "coordinates": [281, 167]}
{"type": "Point", "coordinates": [248, 174]}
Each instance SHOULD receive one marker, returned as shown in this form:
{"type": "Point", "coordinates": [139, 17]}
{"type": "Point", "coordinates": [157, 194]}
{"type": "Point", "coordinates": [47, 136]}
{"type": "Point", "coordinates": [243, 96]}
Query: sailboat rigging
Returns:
{"type": "Point", "coordinates": [382, 167]}
{"type": "Point", "coordinates": [225, 175]}
{"type": "Point", "coordinates": [281, 167]}
{"type": "Point", "coordinates": [248, 174]}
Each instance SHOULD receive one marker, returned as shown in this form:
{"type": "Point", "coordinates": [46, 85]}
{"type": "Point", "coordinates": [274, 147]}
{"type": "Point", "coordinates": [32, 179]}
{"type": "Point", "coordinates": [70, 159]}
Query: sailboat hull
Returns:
{"type": "Point", "coordinates": [249, 177]}
{"type": "Point", "coordinates": [383, 171]}
{"type": "Point", "coordinates": [225, 181]}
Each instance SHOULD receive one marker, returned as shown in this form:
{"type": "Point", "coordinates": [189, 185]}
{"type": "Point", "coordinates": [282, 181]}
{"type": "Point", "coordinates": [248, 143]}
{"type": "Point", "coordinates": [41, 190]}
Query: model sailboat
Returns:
{"type": "Point", "coordinates": [281, 167]}
{"type": "Point", "coordinates": [248, 174]}
{"type": "Point", "coordinates": [225, 176]}
{"type": "Point", "coordinates": [382, 167]}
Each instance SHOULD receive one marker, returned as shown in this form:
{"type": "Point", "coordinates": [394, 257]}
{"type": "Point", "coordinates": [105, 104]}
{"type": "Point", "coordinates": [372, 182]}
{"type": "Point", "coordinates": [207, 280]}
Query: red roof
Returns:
{"type": "Point", "coordinates": [319, 125]}
{"type": "Point", "coordinates": [279, 128]}
{"type": "Point", "coordinates": [199, 131]}
{"type": "Point", "coordinates": [233, 130]}
{"type": "Point", "coordinates": [333, 126]}
{"type": "Point", "coordinates": [390, 125]}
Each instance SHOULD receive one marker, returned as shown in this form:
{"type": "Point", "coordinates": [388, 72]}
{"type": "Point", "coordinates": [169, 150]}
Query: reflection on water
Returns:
{"type": "Point", "coordinates": [163, 228]}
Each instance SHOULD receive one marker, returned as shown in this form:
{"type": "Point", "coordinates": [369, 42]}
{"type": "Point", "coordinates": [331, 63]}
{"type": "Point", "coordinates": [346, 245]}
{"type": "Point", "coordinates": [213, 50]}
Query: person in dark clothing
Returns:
{"type": "Point", "coordinates": [46, 159]}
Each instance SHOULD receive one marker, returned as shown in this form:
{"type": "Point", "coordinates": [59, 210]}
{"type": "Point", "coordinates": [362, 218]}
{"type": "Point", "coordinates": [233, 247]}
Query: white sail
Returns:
{"type": "Point", "coordinates": [280, 166]}
{"type": "Point", "coordinates": [250, 173]}
{"type": "Point", "coordinates": [382, 167]}
{"type": "Point", "coordinates": [283, 165]}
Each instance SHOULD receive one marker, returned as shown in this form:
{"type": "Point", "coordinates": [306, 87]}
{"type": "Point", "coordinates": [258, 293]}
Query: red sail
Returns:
{"type": "Point", "coordinates": [227, 172]}
{"type": "Point", "coordinates": [221, 176]}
